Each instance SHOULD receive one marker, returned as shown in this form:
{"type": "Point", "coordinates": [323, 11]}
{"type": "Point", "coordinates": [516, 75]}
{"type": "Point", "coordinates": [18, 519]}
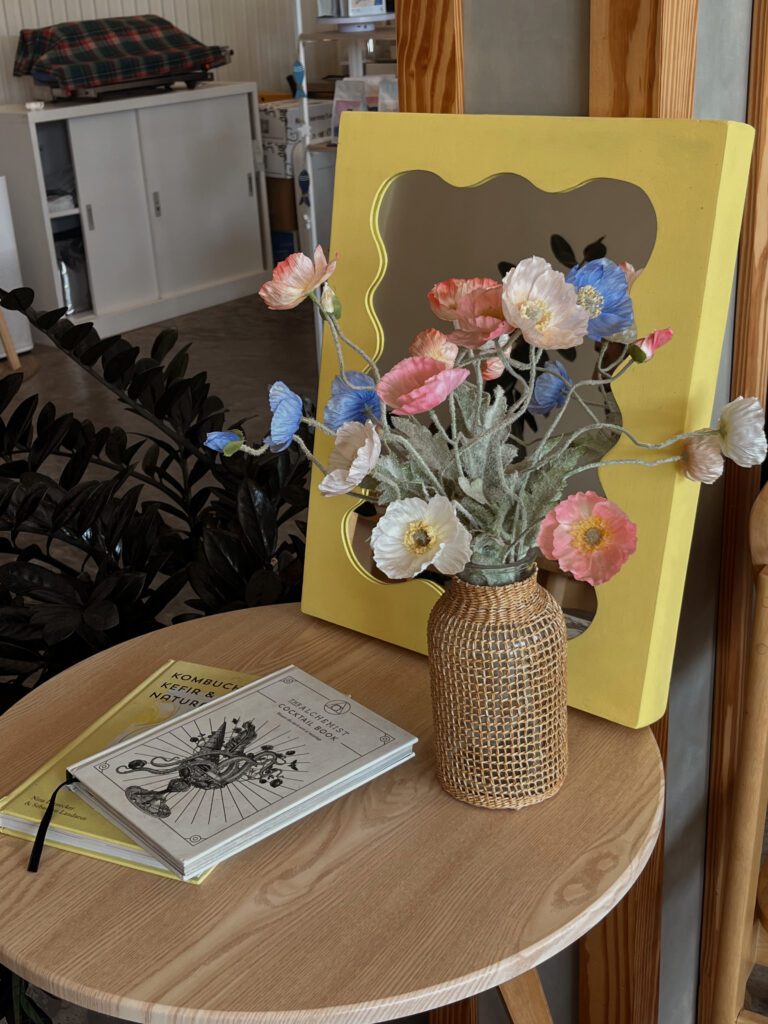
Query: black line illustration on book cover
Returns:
{"type": "Point", "coordinates": [215, 763]}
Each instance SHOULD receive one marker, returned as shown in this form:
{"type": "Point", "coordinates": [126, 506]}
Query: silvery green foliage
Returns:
{"type": "Point", "coordinates": [500, 497]}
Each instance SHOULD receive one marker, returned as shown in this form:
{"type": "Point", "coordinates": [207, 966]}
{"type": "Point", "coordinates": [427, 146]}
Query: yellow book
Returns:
{"type": "Point", "coordinates": [176, 687]}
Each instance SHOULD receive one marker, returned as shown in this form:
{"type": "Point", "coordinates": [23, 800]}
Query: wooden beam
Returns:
{"type": "Point", "coordinates": [430, 56]}
{"type": "Point", "coordinates": [749, 377]}
{"type": "Point", "coordinates": [525, 1000]}
{"type": "Point", "coordinates": [463, 1012]}
{"type": "Point", "coordinates": [642, 58]}
{"type": "Point", "coordinates": [642, 64]}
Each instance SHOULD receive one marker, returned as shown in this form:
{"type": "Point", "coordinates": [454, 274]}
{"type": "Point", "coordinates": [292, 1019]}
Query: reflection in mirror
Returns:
{"type": "Point", "coordinates": [432, 230]}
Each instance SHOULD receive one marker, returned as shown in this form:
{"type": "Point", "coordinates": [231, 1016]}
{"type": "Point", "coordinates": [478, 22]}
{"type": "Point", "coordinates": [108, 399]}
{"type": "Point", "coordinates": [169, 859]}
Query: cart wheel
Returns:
{"type": "Point", "coordinates": [191, 85]}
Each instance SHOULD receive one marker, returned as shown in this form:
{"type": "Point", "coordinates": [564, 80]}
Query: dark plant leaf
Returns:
{"type": "Point", "coordinates": [595, 250]}
{"type": "Point", "coordinates": [257, 518]}
{"type": "Point", "coordinates": [563, 251]}
{"type": "Point", "coordinates": [8, 387]}
{"type": "Point", "coordinates": [46, 321]}
{"type": "Point", "coordinates": [74, 335]}
{"type": "Point", "coordinates": [163, 343]}
{"type": "Point", "coordinates": [101, 615]}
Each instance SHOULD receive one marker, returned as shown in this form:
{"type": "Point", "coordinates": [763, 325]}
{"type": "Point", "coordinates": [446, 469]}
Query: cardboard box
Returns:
{"type": "Point", "coordinates": [283, 121]}
{"type": "Point", "coordinates": [283, 244]}
{"type": "Point", "coordinates": [282, 204]}
{"type": "Point", "coordinates": [278, 158]}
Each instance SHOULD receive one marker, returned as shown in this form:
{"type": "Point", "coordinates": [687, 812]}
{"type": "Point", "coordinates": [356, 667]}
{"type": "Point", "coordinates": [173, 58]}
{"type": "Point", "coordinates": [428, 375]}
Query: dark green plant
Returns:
{"type": "Point", "coordinates": [90, 561]}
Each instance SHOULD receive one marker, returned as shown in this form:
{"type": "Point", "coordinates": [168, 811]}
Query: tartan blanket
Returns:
{"type": "Point", "coordinates": [111, 51]}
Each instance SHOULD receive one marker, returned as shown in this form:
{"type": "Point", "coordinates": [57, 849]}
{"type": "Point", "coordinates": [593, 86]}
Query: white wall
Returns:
{"type": "Point", "coordinates": [261, 32]}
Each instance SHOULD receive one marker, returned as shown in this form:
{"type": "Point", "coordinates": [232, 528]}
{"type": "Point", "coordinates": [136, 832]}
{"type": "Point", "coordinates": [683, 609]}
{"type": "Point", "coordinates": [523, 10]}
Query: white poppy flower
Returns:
{"type": "Point", "coordinates": [357, 451]}
{"type": "Point", "coordinates": [742, 437]}
{"type": "Point", "coordinates": [702, 458]}
{"type": "Point", "coordinates": [414, 534]}
{"type": "Point", "coordinates": [538, 300]}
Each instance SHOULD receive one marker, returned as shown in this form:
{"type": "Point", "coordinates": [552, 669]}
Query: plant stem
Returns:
{"type": "Point", "coordinates": [622, 462]}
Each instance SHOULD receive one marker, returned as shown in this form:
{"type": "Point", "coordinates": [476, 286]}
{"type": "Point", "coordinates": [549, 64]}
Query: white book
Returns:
{"type": "Point", "coordinates": [195, 790]}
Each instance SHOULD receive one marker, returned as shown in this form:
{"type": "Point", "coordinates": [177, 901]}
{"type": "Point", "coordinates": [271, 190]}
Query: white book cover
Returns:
{"type": "Point", "coordinates": [206, 784]}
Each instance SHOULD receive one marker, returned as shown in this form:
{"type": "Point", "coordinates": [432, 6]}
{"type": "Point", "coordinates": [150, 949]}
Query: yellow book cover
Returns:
{"type": "Point", "coordinates": [176, 687]}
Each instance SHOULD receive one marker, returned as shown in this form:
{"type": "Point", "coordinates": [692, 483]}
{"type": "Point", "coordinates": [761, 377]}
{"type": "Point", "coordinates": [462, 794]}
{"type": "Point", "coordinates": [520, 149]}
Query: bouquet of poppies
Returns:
{"type": "Point", "coordinates": [448, 441]}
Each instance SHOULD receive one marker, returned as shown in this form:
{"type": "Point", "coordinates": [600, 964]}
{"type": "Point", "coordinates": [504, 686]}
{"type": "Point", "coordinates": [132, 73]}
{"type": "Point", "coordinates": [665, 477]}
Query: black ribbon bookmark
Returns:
{"type": "Point", "coordinates": [42, 828]}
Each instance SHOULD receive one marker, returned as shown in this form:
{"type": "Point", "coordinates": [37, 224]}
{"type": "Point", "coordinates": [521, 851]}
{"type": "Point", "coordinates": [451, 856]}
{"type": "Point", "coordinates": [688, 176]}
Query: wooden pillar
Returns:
{"type": "Point", "coordinates": [749, 377]}
{"type": "Point", "coordinates": [430, 56]}
{"type": "Point", "coordinates": [642, 64]}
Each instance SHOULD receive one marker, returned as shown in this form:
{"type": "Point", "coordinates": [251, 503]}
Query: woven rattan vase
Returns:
{"type": "Point", "coordinates": [497, 660]}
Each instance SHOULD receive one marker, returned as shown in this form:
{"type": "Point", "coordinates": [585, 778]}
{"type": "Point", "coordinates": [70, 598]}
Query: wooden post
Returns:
{"type": "Point", "coordinates": [749, 377]}
{"type": "Point", "coordinates": [430, 56]}
{"type": "Point", "coordinates": [642, 64]}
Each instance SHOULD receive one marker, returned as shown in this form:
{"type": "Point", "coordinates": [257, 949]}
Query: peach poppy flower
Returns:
{"type": "Point", "coordinates": [702, 459]}
{"type": "Point", "coordinates": [295, 278]}
{"type": "Point", "coordinates": [434, 345]}
{"type": "Point", "coordinates": [629, 272]}
{"type": "Point", "coordinates": [479, 317]}
{"type": "Point", "coordinates": [418, 384]}
{"type": "Point", "coordinates": [537, 299]}
{"type": "Point", "coordinates": [589, 536]}
{"type": "Point", "coordinates": [445, 296]}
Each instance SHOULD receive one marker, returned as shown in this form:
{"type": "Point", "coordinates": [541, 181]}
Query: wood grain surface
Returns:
{"type": "Point", "coordinates": [430, 56]}
{"type": "Point", "coordinates": [749, 376]}
{"type": "Point", "coordinates": [642, 64]}
{"type": "Point", "coordinates": [525, 1000]}
{"type": "Point", "coordinates": [642, 58]}
{"type": "Point", "coordinates": [392, 900]}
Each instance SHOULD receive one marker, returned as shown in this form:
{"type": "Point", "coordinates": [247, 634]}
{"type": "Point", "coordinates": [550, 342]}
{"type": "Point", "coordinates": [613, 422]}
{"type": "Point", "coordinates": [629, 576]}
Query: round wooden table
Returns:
{"type": "Point", "coordinates": [392, 900]}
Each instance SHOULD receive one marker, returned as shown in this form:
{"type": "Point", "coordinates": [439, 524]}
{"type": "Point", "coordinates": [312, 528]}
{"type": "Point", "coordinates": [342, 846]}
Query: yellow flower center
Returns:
{"type": "Point", "coordinates": [418, 537]}
{"type": "Point", "coordinates": [590, 535]}
{"type": "Point", "coordinates": [589, 298]}
{"type": "Point", "coordinates": [537, 312]}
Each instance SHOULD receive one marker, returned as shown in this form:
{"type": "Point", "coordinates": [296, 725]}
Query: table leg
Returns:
{"type": "Point", "coordinates": [525, 1000]}
{"type": "Point", "coordinates": [463, 1012]}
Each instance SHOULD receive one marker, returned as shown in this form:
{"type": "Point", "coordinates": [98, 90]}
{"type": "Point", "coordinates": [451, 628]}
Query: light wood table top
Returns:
{"type": "Point", "coordinates": [394, 899]}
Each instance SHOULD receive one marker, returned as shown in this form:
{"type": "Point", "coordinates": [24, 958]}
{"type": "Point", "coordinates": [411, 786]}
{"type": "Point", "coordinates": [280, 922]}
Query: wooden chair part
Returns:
{"type": "Point", "coordinates": [7, 343]}
{"type": "Point", "coordinates": [525, 1000]}
{"type": "Point", "coordinates": [738, 939]}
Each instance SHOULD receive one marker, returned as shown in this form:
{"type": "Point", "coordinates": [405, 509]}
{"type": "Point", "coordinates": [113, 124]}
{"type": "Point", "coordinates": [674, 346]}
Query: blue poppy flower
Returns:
{"type": "Point", "coordinates": [551, 389]}
{"type": "Point", "coordinates": [603, 291]}
{"type": "Point", "coordinates": [220, 440]}
{"type": "Point", "coordinates": [348, 405]}
{"type": "Point", "coordinates": [286, 408]}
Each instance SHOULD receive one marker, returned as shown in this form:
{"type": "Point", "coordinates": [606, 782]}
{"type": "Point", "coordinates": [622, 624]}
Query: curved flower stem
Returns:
{"type": "Point", "coordinates": [256, 452]}
{"type": "Point", "coordinates": [455, 433]}
{"type": "Point", "coordinates": [646, 445]}
{"type": "Point", "coordinates": [480, 385]}
{"type": "Point", "coordinates": [393, 438]}
{"type": "Point", "coordinates": [555, 422]}
{"type": "Point", "coordinates": [623, 462]}
{"type": "Point", "coordinates": [339, 336]}
{"type": "Point", "coordinates": [440, 428]}
{"type": "Point", "coordinates": [317, 425]}
{"type": "Point", "coordinates": [308, 454]}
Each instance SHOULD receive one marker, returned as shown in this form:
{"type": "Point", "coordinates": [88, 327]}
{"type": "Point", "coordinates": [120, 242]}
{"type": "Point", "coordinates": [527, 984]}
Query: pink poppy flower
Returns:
{"type": "Point", "coordinates": [434, 345]}
{"type": "Point", "coordinates": [295, 278]}
{"type": "Point", "coordinates": [492, 369]}
{"type": "Point", "coordinates": [479, 317]}
{"type": "Point", "coordinates": [651, 343]}
{"type": "Point", "coordinates": [445, 295]}
{"type": "Point", "coordinates": [418, 384]}
{"type": "Point", "coordinates": [589, 536]}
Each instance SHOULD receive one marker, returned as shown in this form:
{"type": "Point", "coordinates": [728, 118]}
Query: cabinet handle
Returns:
{"type": "Point", "coordinates": [156, 203]}
{"type": "Point", "coordinates": [250, 183]}
{"type": "Point", "coordinates": [89, 216]}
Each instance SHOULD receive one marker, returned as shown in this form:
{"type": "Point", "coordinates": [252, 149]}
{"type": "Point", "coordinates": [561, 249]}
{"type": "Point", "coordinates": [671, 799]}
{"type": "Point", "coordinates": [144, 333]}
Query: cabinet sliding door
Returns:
{"type": "Point", "coordinates": [113, 210]}
{"type": "Point", "coordinates": [201, 187]}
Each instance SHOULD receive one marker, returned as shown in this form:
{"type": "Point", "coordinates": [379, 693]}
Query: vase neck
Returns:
{"type": "Point", "coordinates": [499, 575]}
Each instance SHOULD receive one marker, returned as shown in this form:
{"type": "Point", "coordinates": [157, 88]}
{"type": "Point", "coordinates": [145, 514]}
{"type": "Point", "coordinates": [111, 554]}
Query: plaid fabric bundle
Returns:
{"type": "Point", "coordinates": [111, 51]}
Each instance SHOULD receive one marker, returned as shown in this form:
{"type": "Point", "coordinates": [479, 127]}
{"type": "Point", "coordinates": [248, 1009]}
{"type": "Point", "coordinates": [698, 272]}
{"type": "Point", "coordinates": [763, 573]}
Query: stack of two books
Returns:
{"type": "Point", "coordinates": [213, 776]}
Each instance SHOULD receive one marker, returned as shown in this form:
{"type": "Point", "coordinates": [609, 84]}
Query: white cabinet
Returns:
{"type": "Point", "coordinates": [113, 211]}
{"type": "Point", "coordinates": [198, 166]}
{"type": "Point", "coordinates": [132, 211]}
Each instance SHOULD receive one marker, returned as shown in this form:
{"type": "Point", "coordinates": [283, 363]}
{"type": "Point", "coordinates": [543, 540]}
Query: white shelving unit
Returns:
{"type": "Point", "coordinates": [353, 35]}
{"type": "Point", "coordinates": [169, 213]}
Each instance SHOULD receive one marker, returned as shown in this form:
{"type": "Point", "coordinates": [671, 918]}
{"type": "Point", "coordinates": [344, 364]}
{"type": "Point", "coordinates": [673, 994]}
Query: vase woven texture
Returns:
{"type": "Point", "coordinates": [497, 657]}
